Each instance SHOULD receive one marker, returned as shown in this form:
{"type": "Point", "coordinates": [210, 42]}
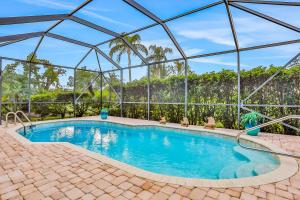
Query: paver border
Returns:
{"type": "Point", "coordinates": [287, 168]}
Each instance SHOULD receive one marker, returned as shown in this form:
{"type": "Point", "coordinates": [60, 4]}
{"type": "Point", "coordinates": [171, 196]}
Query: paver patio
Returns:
{"type": "Point", "coordinates": [43, 171]}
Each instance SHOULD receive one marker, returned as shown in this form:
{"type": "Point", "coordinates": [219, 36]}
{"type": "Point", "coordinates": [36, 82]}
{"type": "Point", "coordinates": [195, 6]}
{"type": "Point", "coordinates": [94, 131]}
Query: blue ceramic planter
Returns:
{"type": "Point", "coordinates": [253, 132]}
{"type": "Point", "coordinates": [104, 114]}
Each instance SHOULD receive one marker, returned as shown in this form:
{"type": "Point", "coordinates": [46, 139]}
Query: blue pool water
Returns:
{"type": "Point", "coordinates": [165, 151]}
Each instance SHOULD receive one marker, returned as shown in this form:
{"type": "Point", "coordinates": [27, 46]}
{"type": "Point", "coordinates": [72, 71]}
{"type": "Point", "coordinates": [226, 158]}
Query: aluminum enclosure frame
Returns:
{"type": "Point", "coordinates": [11, 39]}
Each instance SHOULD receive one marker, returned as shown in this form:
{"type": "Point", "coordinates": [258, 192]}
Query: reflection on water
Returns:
{"type": "Point", "coordinates": [66, 132]}
{"type": "Point", "coordinates": [166, 141]}
{"type": "Point", "coordinates": [160, 150]}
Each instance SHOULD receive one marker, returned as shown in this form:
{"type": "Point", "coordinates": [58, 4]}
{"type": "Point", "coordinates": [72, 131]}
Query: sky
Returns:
{"type": "Point", "coordinates": [200, 33]}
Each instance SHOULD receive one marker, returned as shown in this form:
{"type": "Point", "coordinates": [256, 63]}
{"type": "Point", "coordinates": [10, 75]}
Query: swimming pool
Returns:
{"type": "Point", "coordinates": [166, 151]}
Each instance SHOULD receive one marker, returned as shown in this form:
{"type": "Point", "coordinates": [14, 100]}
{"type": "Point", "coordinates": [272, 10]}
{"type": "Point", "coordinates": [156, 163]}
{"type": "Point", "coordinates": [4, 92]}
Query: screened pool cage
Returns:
{"type": "Point", "coordinates": [170, 71]}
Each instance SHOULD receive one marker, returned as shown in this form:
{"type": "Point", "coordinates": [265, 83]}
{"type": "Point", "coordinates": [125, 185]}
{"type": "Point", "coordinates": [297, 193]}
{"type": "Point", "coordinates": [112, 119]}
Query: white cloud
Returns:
{"type": "Point", "coordinates": [91, 12]}
{"type": "Point", "coordinates": [50, 4]}
{"type": "Point", "coordinates": [192, 51]}
{"type": "Point", "coordinates": [216, 61]}
{"type": "Point", "coordinates": [163, 43]}
{"type": "Point", "coordinates": [285, 13]}
{"type": "Point", "coordinates": [169, 44]}
{"type": "Point", "coordinates": [214, 28]}
{"type": "Point", "coordinates": [68, 52]}
{"type": "Point", "coordinates": [107, 19]}
{"type": "Point", "coordinates": [251, 30]}
{"type": "Point", "coordinates": [254, 31]}
{"type": "Point", "coordinates": [159, 42]}
{"type": "Point", "coordinates": [218, 35]}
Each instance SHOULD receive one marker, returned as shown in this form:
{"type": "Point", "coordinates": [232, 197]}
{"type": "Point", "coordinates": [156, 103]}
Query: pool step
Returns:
{"type": "Point", "coordinates": [263, 168]}
{"type": "Point", "coordinates": [247, 153]}
{"type": "Point", "coordinates": [245, 170]}
{"type": "Point", "coordinates": [253, 156]}
{"type": "Point", "coordinates": [228, 172]}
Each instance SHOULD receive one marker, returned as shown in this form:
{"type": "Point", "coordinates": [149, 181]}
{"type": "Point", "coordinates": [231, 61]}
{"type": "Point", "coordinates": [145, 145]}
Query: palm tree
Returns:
{"type": "Point", "coordinates": [158, 54]}
{"type": "Point", "coordinates": [178, 68]}
{"type": "Point", "coordinates": [119, 48]}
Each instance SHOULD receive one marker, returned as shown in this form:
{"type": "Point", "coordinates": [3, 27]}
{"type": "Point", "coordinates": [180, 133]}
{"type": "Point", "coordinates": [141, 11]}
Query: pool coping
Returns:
{"type": "Point", "coordinates": [287, 168]}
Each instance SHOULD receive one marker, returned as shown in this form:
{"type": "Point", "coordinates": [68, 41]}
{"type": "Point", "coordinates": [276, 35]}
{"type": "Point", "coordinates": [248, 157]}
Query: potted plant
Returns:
{"type": "Point", "coordinates": [104, 113]}
{"type": "Point", "coordinates": [250, 120]}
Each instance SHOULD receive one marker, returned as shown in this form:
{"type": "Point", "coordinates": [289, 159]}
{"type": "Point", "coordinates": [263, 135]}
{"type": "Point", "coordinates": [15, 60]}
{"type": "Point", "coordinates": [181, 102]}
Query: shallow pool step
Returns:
{"type": "Point", "coordinates": [228, 172]}
{"type": "Point", "coordinates": [263, 168]}
{"type": "Point", "coordinates": [252, 155]}
{"type": "Point", "coordinates": [245, 170]}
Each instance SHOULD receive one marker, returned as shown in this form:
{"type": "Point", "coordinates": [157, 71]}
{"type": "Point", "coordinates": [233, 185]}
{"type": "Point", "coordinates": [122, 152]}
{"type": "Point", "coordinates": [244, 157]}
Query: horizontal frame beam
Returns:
{"type": "Point", "coordinates": [77, 42]}
{"type": "Point", "coordinates": [12, 42]}
{"type": "Point", "coordinates": [279, 3]}
{"type": "Point", "coordinates": [193, 11]}
{"type": "Point", "coordinates": [272, 105]}
{"type": "Point", "coordinates": [170, 103]}
{"type": "Point", "coordinates": [93, 26]}
{"type": "Point", "coordinates": [275, 44]}
{"type": "Point", "coordinates": [31, 19]}
{"type": "Point", "coordinates": [20, 36]}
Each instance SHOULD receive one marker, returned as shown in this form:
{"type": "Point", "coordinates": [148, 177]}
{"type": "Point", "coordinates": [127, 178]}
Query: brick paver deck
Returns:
{"type": "Point", "coordinates": [54, 171]}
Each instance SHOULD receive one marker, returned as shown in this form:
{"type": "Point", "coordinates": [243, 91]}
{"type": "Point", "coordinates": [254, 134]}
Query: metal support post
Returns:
{"type": "Point", "coordinates": [185, 87]}
{"type": "Point", "coordinates": [74, 92]}
{"type": "Point", "coordinates": [101, 88]}
{"type": "Point", "coordinates": [121, 92]}
{"type": "Point", "coordinates": [29, 89]}
{"type": "Point", "coordinates": [239, 88]}
{"type": "Point", "coordinates": [148, 91]}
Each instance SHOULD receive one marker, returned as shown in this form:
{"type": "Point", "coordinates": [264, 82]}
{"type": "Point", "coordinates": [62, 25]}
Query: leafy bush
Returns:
{"type": "Point", "coordinates": [252, 119]}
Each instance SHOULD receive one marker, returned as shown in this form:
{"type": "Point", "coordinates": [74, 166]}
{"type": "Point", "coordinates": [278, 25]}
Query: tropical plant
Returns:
{"type": "Point", "coordinates": [251, 119]}
{"type": "Point", "coordinates": [104, 110]}
{"type": "Point", "coordinates": [178, 68]}
{"type": "Point", "coordinates": [158, 54]}
{"type": "Point", "coordinates": [119, 48]}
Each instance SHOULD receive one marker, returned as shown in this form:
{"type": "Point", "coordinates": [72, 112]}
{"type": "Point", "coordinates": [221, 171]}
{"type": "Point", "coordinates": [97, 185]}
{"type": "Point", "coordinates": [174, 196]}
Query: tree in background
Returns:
{"type": "Point", "coordinates": [15, 84]}
{"type": "Point", "coordinates": [119, 48]}
{"type": "Point", "coordinates": [178, 68]}
{"type": "Point", "coordinates": [85, 80]}
{"type": "Point", "coordinates": [158, 54]}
